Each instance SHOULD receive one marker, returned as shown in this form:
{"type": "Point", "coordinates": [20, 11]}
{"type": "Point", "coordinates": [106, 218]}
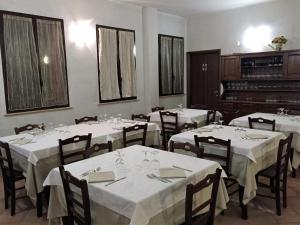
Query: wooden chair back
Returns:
{"type": "Point", "coordinates": [140, 117]}
{"type": "Point", "coordinates": [187, 126]}
{"type": "Point", "coordinates": [86, 119]}
{"type": "Point", "coordinates": [186, 147]}
{"type": "Point", "coordinates": [210, 116]}
{"type": "Point", "coordinates": [134, 130]}
{"type": "Point", "coordinates": [205, 142]}
{"type": "Point", "coordinates": [29, 127]}
{"type": "Point", "coordinates": [261, 121]}
{"type": "Point", "coordinates": [76, 154]}
{"type": "Point", "coordinates": [169, 125]}
{"type": "Point", "coordinates": [6, 164]}
{"type": "Point", "coordinates": [190, 213]}
{"type": "Point", "coordinates": [158, 108]}
{"type": "Point", "coordinates": [78, 205]}
{"type": "Point", "coordinates": [97, 148]}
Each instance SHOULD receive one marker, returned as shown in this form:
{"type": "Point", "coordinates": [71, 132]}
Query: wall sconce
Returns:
{"type": "Point", "coordinates": [256, 38]}
{"type": "Point", "coordinates": [82, 33]}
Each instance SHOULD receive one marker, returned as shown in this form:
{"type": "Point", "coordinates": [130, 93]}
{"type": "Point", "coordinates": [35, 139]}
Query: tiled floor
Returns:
{"type": "Point", "coordinates": [261, 211]}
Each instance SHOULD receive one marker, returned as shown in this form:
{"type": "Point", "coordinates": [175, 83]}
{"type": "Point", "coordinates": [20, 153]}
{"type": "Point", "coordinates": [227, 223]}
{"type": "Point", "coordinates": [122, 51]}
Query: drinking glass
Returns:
{"type": "Point", "coordinates": [155, 164]}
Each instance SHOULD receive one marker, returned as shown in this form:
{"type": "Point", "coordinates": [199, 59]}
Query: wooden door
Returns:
{"type": "Point", "coordinates": [203, 79]}
{"type": "Point", "coordinates": [230, 68]}
{"type": "Point", "coordinates": [196, 81]}
{"type": "Point", "coordinates": [292, 60]}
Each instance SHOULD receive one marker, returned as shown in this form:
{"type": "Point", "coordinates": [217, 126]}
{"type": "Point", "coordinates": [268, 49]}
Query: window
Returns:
{"type": "Point", "coordinates": [171, 65]}
{"type": "Point", "coordinates": [116, 64]}
{"type": "Point", "coordinates": [34, 62]}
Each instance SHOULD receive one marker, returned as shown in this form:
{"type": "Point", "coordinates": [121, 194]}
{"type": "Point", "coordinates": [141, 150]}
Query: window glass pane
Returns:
{"type": "Point", "coordinates": [127, 63]}
{"type": "Point", "coordinates": [109, 85]}
{"type": "Point", "coordinates": [21, 64]}
{"type": "Point", "coordinates": [166, 65]}
{"type": "Point", "coordinates": [178, 65]}
{"type": "Point", "coordinates": [52, 63]}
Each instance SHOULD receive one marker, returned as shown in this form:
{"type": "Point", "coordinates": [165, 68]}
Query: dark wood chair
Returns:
{"type": "Point", "coordinates": [140, 117]}
{"type": "Point", "coordinates": [86, 119]}
{"type": "Point", "coordinates": [210, 116]}
{"type": "Point", "coordinates": [134, 130]}
{"type": "Point", "coordinates": [97, 148]}
{"type": "Point", "coordinates": [169, 125]}
{"type": "Point", "coordinates": [191, 217]}
{"type": "Point", "coordinates": [186, 147]}
{"type": "Point", "coordinates": [261, 121]}
{"type": "Point", "coordinates": [76, 154]}
{"type": "Point", "coordinates": [277, 174]}
{"type": "Point", "coordinates": [187, 126]}
{"type": "Point", "coordinates": [29, 127]}
{"type": "Point", "coordinates": [78, 207]}
{"type": "Point", "coordinates": [10, 177]}
{"type": "Point", "coordinates": [158, 108]}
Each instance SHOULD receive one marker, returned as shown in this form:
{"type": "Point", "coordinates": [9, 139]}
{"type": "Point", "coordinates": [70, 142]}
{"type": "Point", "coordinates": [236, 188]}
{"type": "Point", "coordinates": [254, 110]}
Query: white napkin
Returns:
{"type": "Point", "coordinates": [256, 136]}
{"type": "Point", "coordinates": [171, 173]}
{"type": "Point", "coordinates": [101, 177]}
{"type": "Point", "coordinates": [22, 141]}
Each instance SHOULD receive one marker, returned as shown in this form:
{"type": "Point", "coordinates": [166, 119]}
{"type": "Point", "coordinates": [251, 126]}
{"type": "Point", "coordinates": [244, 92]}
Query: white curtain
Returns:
{"type": "Point", "coordinates": [127, 63]}
{"type": "Point", "coordinates": [52, 63]}
{"type": "Point", "coordinates": [166, 78]}
{"type": "Point", "coordinates": [109, 85]}
{"type": "Point", "coordinates": [178, 65]}
{"type": "Point", "coordinates": [22, 73]}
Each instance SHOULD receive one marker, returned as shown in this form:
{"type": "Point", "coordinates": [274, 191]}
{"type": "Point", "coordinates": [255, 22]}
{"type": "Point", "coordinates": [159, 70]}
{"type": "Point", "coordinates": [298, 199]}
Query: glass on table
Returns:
{"type": "Point", "coordinates": [155, 164]}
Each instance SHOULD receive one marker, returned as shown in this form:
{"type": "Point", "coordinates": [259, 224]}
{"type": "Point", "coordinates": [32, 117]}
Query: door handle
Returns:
{"type": "Point", "coordinates": [206, 67]}
{"type": "Point", "coordinates": [203, 67]}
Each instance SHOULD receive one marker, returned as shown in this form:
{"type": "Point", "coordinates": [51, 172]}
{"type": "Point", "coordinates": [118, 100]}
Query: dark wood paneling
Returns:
{"type": "Point", "coordinates": [230, 67]}
{"type": "Point", "coordinates": [292, 65]}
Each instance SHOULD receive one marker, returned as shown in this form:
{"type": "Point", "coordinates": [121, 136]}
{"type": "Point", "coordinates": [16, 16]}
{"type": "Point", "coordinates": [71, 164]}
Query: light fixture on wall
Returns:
{"type": "Point", "coordinates": [82, 33]}
{"type": "Point", "coordinates": [256, 38]}
{"type": "Point", "coordinates": [46, 60]}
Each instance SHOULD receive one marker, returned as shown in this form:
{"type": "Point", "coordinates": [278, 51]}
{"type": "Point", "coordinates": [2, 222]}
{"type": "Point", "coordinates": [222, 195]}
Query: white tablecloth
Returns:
{"type": "Point", "coordinates": [285, 124]}
{"type": "Point", "coordinates": [185, 116]}
{"type": "Point", "coordinates": [248, 156]}
{"type": "Point", "coordinates": [138, 197]}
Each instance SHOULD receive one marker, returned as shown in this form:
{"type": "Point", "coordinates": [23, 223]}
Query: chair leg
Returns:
{"type": "Point", "coordinates": [294, 173]}
{"type": "Point", "coordinates": [284, 193]}
{"type": "Point", "coordinates": [65, 220]}
{"type": "Point", "coordinates": [39, 204]}
{"type": "Point", "coordinates": [6, 195]}
{"type": "Point", "coordinates": [13, 201]}
{"type": "Point", "coordinates": [278, 204]}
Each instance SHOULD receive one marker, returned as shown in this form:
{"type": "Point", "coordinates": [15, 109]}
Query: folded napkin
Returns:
{"type": "Point", "coordinates": [101, 177]}
{"type": "Point", "coordinates": [22, 141]}
{"type": "Point", "coordinates": [171, 173]}
{"type": "Point", "coordinates": [256, 136]}
{"type": "Point", "coordinates": [202, 130]}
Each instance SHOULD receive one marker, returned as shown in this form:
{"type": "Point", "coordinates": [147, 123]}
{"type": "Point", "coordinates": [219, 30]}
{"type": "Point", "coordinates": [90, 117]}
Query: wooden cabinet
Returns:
{"type": "Point", "coordinates": [230, 67]}
{"type": "Point", "coordinates": [292, 60]}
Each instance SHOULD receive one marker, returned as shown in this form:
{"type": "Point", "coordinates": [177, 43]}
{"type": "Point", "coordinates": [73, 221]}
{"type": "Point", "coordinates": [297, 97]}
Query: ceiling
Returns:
{"type": "Point", "coordinates": [192, 7]}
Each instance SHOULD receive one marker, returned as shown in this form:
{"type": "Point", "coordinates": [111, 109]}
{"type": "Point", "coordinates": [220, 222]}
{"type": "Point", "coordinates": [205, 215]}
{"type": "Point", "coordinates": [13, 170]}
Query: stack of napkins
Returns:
{"type": "Point", "coordinates": [256, 136]}
{"type": "Point", "coordinates": [171, 173]}
{"type": "Point", "coordinates": [101, 177]}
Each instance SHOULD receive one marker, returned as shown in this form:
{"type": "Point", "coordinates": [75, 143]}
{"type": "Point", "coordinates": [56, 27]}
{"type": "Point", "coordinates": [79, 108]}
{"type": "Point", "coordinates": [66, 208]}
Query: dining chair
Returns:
{"type": "Point", "coordinates": [188, 147]}
{"type": "Point", "coordinates": [277, 174]}
{"type": "Point", "coordinates": [192, 216]}
{"type": "Point", "coordinates": [134, 131]}
{"type": "Point", "coordinates": [29, 127]}
{"type": "Point", "coordinates": [210, 116]}
{"type": "Point", "coordinates": [187, 126]}
{"type": "Point", "coordinates": [97, 148]}
{"type": "Point", "coordinates": [158, 108]}
{"type": "Point", "coordinates": [169, 125]}
{"type": "Point", "coordinates": [77, 154]}
{"type": "Point", "coordinates": [78, 202]}
{"type": "Point", "coordinates": [262, 122]}
{"type": "Point", "coordinates": [86, 119]}
{"type": "Point", "coordinates": [10, 176]}
{"type": "Point", "coordinates": [140, 117]}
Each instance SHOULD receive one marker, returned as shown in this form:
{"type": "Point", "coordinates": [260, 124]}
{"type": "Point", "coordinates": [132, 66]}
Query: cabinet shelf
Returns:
{"type": "Point", "coordinates": [260, 90]}
{"type": "Point", "coordinates": [267, 66]}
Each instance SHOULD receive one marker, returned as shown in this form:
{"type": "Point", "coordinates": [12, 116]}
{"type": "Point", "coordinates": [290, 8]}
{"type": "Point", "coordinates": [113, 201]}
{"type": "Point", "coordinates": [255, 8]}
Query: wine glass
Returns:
{"type": "Point", "coordinates": [155, 164]}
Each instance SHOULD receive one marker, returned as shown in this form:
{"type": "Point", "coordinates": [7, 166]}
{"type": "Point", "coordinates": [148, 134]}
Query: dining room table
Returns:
{"type": "Point", "coordinates": [251, 151]}
{"type": "Point", "coordinates": [283, 123]}
{"type": "Point", "coordinates": [37, 152]}
{"type": "Point", "coordinates": [139, 195]}
{"type": "Point", "coordinates": [185, 115]}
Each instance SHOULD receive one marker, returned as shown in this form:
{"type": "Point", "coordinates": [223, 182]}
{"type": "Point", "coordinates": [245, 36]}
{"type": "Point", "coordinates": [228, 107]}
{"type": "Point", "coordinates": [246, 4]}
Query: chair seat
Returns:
{"type": "Point", "coordinates": [269, 172]}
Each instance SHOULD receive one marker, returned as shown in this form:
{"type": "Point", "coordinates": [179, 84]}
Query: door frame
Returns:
{"type": "Point", "coordinates": [188, 56]}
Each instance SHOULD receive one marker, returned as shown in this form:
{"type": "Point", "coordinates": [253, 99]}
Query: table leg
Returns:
{"type": "Point", "coordinates": [244, 208]}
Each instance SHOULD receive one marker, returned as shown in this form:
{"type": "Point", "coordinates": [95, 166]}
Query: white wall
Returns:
{"type": "Point", "coordinates": [176, 26]}
{"type": "Point", "coordinates": [222, 30]}
{"type": "Point", "coordinates": [82, 62]}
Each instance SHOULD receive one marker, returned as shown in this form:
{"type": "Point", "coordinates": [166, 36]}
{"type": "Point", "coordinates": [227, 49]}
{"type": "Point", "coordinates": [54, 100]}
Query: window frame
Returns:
{"type": "Point", "coordinates": [121, 99]}
{"type": "Point", "coordinates": [3, 57]}
{"type": "Point", "coordinates": [159, 64]}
